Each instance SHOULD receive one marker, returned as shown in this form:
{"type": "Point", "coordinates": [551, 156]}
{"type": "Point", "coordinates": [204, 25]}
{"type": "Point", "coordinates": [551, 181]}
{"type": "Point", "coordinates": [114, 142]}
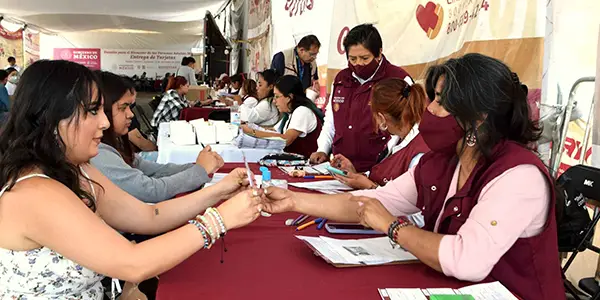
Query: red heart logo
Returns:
{"type": "Point", "coordinates": [427, 17]}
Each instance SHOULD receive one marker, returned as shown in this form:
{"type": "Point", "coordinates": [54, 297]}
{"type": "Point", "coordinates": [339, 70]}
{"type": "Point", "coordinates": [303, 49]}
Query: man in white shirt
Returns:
{"type": "Point", "coordinates": [12, 63]}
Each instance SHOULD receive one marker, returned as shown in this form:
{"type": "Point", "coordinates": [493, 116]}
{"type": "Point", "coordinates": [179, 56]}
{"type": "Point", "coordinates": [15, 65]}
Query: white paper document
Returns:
{"type": "Point", "coordinates": [219, 176]}
{"type": "Point", "coordinates": [322, 185]}
{"type": "Point", "coordinates": [482, 291]}
{"type": "Point", "coordinates": [370, 251]}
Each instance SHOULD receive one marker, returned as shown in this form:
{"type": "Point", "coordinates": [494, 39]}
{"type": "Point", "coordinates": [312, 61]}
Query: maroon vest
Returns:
{"type": "Point", "coordinates": [397, 164]}
{"type": "Point", "coordinates": [306, 145]}
{"type": "Point", "coordinates": [531, 267]}
{"type": "Point", "coordinates": [355, 137]}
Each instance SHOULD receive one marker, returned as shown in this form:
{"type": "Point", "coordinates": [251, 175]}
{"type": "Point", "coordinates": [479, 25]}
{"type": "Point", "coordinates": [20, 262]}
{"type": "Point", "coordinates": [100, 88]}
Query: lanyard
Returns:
{"type": "Point", "coordinates": [300, 66]}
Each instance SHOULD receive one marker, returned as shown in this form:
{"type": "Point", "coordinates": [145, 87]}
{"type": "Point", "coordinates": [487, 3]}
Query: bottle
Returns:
{"type": "Point", "coordinates": [235, 114]}
{"type": "Point", "coordinates": [265, 183]}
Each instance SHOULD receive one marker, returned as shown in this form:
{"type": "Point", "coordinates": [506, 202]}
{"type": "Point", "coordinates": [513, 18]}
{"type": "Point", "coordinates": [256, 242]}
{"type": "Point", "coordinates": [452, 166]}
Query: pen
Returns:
{"type": "Point", "coordinates": [304, 217]}
{"type": "Point", "coordinates": [248, 172]}
{"type": "Point", "coordinates": [318, 177]}
{"type": "Point", "coordinates": [201, 144]}
{"type": "Point", "coordinates": [322, 223]}
{"type": "Point", "coordinates": [308, 224]}
{"type": "Point", "coordinates": [297, 219]}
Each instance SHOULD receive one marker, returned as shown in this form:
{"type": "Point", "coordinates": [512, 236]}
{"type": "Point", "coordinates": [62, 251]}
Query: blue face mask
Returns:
{"type": "Point", "coordinates": [13, 79]}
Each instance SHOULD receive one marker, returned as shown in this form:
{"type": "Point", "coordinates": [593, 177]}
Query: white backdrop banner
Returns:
{"type": "Point", "coordinates": [420, 32]}
{"type": "Point", "coordinates": [134, 62]}
{"type": "Point", "coordinates": [294, 19]}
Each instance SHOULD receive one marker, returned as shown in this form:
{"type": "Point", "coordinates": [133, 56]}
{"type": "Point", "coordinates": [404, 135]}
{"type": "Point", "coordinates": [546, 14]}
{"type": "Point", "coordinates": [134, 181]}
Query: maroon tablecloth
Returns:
{"type": "Point", "coordinates": [194, 113]}
{"type": "Point", "coordinates": [266, 261]}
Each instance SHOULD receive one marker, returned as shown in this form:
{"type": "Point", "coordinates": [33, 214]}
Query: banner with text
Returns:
{"type": "Point", "coordinates": [11, 44]}
{"type": "Point", "coordinates": [89, 57]}
{"type": "Point", "coordinates": [31, 47]}
{"type": "Point", "coordinates": [135, 62]}
{"type": "Point", "coordinates": [259, 35]}
{"type": "Point", "coordinates": [420, 33]}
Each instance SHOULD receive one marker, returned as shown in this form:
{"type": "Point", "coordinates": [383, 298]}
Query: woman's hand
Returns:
{"type": "Point", "coordinates": [247, 130]}
{"type": "Point", "coordinates": [206, 102]}
{"type": "Point", "coordinates": [242, 209]}
{"type": "Point", "coordinates": [318, 157]}
{"type": "Point", "coordinates": [341, 162]}
{"type": "Point", "coordinates": [373, 214]}
{"type": "Point", "coordinates": [235, 182]}
{"type": "Point", "coordinates": [209, 160]}
{"type": "Point", "coordinates": [356, 181]}
{"type": "Point", "coordinates": [278, 200]}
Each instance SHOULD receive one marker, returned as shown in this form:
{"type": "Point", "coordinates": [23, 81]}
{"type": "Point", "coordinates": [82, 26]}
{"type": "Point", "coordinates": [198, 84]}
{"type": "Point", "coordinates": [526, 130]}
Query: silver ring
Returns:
{"type": "Point", "coordinates": [255, 193]}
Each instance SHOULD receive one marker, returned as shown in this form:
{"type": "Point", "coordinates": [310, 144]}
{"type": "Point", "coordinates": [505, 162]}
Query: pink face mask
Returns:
{"type": "Point", "coordinates": [440, 134]}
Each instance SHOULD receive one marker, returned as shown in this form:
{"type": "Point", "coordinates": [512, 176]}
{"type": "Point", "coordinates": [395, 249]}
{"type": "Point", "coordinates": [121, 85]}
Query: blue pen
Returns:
{"type": "Point", "coordinates": [322, 223]}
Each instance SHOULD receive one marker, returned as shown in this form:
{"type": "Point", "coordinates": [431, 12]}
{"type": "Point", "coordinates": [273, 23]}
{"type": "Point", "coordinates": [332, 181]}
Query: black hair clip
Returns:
{"type": "Point", "coordinates": [515, 78]}
{"type": "Point", "coordinates": [406, 91]}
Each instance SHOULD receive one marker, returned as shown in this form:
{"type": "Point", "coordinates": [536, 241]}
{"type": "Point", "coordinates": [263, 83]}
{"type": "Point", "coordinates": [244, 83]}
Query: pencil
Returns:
{"type": "Point", "coordinates": [304, 217]}
{"type": "Point", "coordinates": [315, 221]}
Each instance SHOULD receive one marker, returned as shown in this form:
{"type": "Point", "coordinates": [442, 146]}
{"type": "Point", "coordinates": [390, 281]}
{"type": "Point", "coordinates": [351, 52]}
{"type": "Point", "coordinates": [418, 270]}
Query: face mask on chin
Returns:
{"type": "Point", "coordinates": [367, 71]}
{"type": "Point", "coordinates": [440, 134]}
{"type": "Point", "coordinates": [13, 79]}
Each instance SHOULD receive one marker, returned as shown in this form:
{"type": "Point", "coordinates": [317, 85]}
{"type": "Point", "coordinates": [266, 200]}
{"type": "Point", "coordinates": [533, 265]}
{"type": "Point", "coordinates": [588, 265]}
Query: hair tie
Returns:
{"type": "Point", "coordinates": [409, 83]}
{"type": "Point", "coordinates": [515, 78]}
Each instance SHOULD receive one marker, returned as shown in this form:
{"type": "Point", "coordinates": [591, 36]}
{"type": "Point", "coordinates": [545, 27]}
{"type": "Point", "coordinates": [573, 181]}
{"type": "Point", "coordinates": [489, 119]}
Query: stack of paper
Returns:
{"type": "Point", "coordinates": [323, 186]}
{"type": "Point", "coordinates": [310, 170]}
{"type": "Point", "coordinates": [247, 141]}
{"type": "Point", "coordinates": [482, 291]}
{"type": "Point", "coordinates": [213, 131]}
{"type": "Point", "coordinates": [182, 133]}
{"type": "Point", "coordinates": [371, 251]}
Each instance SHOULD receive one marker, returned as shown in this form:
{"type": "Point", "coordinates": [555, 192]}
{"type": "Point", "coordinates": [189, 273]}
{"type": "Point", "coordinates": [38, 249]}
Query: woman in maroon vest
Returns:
{"type": "Point", "coordinates": [397, 107]}
{"type": "Point", "coordinates": [302, 119]}
{"type": "Point", "coordinates": [487, 199]}
{"type": "Point", "coordinates": [348, 130]}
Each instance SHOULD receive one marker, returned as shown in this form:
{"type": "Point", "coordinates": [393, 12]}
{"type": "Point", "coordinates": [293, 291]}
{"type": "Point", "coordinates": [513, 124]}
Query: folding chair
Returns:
{"type": "Point", "coordinates": [578, 183]}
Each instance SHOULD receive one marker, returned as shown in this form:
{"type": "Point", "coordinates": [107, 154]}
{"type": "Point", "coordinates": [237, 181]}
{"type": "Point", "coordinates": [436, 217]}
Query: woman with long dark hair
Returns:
{"type": "Point", "coordinates": [487, 199]}
{"type": "Point", "coordinates": [264, 113]}
{"type": "Point", "coordinates": [148, 181]}
{"type": "Point", "coordinates": [301, 122]}
{"type": "Point", "coordinates": [59, 215]}
{"type": "Point", "coordinates": [172, 102]}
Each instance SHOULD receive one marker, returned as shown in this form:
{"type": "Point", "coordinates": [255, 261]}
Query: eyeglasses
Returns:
{"type": "Point", "coordinates": [313, 54]}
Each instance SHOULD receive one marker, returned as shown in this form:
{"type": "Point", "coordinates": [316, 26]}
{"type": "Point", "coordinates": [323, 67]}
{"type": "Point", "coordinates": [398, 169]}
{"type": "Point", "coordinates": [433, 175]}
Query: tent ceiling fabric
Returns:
{"type": "Point", "coordinates": [163, 16]}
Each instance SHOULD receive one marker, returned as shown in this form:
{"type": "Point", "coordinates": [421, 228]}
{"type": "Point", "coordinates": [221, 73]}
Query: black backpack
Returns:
{"type": "Point", "coordinates": [575, 186]}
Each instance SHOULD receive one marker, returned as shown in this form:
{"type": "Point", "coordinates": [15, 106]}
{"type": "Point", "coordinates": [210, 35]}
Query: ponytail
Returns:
{"type": "Point", "coordinates": [400, 99]}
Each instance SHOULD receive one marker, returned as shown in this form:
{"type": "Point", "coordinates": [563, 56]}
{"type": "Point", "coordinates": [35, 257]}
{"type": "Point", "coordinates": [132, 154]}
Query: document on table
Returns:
{"type": "Point", "coordinates": [310, 170]}
{"type": "Point", "coordinates": [322, 185]}
{"type": "Point", "coordinates": [369, 251]}
{"type": "Point", "coordinates": [482, 291]}
{"type": "Point", "coordinates": [219, 176]}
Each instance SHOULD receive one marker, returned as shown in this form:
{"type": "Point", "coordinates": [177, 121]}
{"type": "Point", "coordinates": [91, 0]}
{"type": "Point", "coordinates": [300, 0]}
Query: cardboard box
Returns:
{"type": "Point", "coordinates": [198, 92]}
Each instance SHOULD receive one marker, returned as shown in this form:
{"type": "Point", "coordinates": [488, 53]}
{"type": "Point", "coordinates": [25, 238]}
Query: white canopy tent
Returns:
{"type": "Point", "coordinates": [114, 24]}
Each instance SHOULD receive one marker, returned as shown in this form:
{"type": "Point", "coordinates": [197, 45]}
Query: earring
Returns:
{"type": "Point", "coordinates": [471, 139]}
{"type": "Point", "coordinates": [55, 132]}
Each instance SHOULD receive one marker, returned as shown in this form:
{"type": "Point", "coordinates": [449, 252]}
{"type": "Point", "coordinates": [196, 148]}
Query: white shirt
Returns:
{"type": "Point", "coordinates": [11, 87]}
{"type": "Point", "coordinates": [302, 119]}
{"type": "Point", "coordinates": [261, 112]}
{"type": "Point", "coordinates": [394, 147]}
{"type": "Point", "coordinates": [16, 67]}
{"type": "Point", "coordinates": [325, 139]}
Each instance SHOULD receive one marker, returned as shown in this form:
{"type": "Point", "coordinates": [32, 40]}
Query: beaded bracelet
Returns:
{"type": "Point", "coordinates": [208, 225]}
{"type": "Point", "coordinates": [202, 229]}
{"type": "Point", "coordinates": [401, 222]}
{"type": "Point", "coordinates": [215, 213]}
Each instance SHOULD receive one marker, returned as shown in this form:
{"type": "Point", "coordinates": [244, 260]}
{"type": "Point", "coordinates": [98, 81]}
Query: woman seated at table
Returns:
{"type": "Point", "coordinates": [247, 95]}
{"type": "Point", "coordinates": [148, 181]}
{"type": "Point", "coordinates": [59, 215]}
{"type": "Point", "coordinates": [487, 199]}
{"type": "Point", "coordinates": [302, 119]}
{"type": "Point", "coordinates": [265, 113]}
{"type": "Point", "coordinates": [397, 106]}
{"type": "Point", "coordinates": [172, 102]}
